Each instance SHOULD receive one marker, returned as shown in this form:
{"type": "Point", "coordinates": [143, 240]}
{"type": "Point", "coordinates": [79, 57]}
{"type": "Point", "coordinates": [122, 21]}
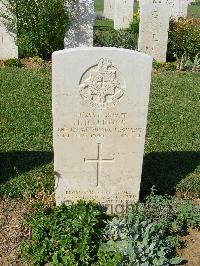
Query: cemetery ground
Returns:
{"type": "Point", "coordinates": [171, 162]}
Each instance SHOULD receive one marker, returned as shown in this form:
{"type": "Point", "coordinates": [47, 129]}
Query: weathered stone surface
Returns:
{"type": "Point", "coordinates": [179, 8]}
{"type": "Point", "coordinates": [123, 14]}
{"type": "Point", "coordinates": [184, 7]}
{"type": "Point", "coordinates": [8, 48]}
{"type": "Point", "coordinates": [174, 8]}
{"type": "Point", "coordinates": [154, 26]}
{"type": "Point", "coordinates": [80, 33]}
{"type": "Point", "coordinates": [109, 9]}
{"type": "Point", "coordinates": [100, 105]}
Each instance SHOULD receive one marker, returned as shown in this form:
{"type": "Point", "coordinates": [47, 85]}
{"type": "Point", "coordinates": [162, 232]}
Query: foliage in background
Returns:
{"type": "Point", "coordinates": [164, 66]}
{"type": "Point", "coordinates": [149, 233]}
{"type": "Point", "coordinates": [186, 64]}
{"type": "Point", "coordinates": [40, 25]}
{"type": "Point", "coordinates": [65, 235]}
{"type": "Point", "coordinates": [194, 9]}
{"type": "Point", "coordinates": [106, 36]}
{"type": "Point", "coordinates": [134, 26]}
{"type": "Point", "coordinates": [13, 62]}
{"type": "Point", "coordinates": [115, 38]}
{"type": "Point", "coordinates": [184, 38]}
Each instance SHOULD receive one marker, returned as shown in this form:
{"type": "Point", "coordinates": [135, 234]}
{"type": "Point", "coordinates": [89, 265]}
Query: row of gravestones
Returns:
{"type": "Point", "coordinates": [153, 32]}
{"type": "Point", "coordinates": [121, 11]}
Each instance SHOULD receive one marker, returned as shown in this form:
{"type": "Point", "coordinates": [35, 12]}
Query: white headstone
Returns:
{"type": "Point", "coordinates": [184, 7]}
{"type": "Point", "coordinates": [100, 105]}
{"type": "Point", "coordinates": [80, 33]}
{"type": "Point", "coordinates": [109, 9]}
{"type": "Point", "coordinates": [174, 9]}
{"type": "Point", "coordinates": [154, 26]}
{"type": "Point", "coordinates": [179, 8]}
{"type": "Point", "coordinates": [123, 14]}
{"type": "Point", "coordinates": [8, 48]}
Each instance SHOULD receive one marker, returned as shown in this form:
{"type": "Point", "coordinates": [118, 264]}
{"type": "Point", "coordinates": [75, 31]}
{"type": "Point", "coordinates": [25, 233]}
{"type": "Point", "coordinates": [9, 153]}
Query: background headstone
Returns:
{"type": "Point", "coordinates": [123, 14]}
{"type": "Point", "coordinates": [174, 8]}
{"type": "Point", "coordinates": [80, 33]}
{"type": "Point", "coordinates": [109, 9]}
{"type": "Point", "coordinates": [100, 106]}
{"type": "Point", "coordinates": [179, 8]}
{"type": "Point", "coordinates": [153, 29]}
{"type": "Point", "coordinates": [184, 7]}
{"type": "Point", "coordinates": [8, 48]}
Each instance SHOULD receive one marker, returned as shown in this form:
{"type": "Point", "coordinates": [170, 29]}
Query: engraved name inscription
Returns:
{"type": "Point", "coordinates": [92, 125]}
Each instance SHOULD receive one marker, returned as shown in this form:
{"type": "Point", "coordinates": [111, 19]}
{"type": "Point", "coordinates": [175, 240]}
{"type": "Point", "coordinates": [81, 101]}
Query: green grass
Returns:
{"type": "Point", "coordinates": [172, 142]}
{"type": "Point", "coordinates": [194, 11]}
{"type": "Point", "coordinates": [26, 129]}
{"type": "Point", "coordinates": [105, 24]}
{"type": "Point", "coordinates": [98, 5]}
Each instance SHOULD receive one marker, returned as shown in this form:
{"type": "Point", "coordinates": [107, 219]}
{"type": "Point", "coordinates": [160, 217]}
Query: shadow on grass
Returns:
{"type": "Point", "coordinates": [16, 162]}
{"type": "Point", "coordinates": [165, 170]}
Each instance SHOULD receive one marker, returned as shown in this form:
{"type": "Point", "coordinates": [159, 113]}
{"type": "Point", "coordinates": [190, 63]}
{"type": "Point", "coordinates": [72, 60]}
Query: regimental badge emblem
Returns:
{"type": "Point", "coordinates": [102, 85]}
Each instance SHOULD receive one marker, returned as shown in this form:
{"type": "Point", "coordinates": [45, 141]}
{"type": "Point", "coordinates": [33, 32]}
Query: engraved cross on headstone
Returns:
{"type": "Point", "coordinates": [103, 81]}
{"type": "Point", "coordinates": [99, 161]}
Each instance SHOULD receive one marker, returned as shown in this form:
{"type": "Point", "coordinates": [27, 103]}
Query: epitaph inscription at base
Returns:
{"type": "Point", "coordinates": [100, 105]}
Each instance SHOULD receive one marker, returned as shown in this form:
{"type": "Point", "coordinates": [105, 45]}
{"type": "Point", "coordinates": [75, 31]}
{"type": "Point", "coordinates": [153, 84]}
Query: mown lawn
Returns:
{"type": "Point", "coordinates": [98, 5]}
{"type": "Point", "coordinates": [194, 11]}
{"type": "Point", "coordinates": [172, 151]}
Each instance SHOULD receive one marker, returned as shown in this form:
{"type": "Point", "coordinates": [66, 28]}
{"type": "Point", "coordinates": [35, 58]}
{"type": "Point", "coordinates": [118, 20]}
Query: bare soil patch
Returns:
{"type": "Point", "coordinates": [31, 63]}
{"type": "Point", "coordinates": [12, 231]}
{"type": "Point", "coordinates": [191, 253]}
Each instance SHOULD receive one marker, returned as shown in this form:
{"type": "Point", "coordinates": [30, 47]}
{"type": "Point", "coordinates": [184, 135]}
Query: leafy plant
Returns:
{"type": "Point", "coordinates": [106, 36]}
{"type": "Point", "coordinates": [164, 66]}
{"type": "Point", "coordinates": [148, 234]}
{"type": "Point", "coordinates": [134, 26]}
{"type": "Point", "coordinates": [64, 235]}
{"type": "Point", "coordinates": [115, 38]}
{"type": "Point", "coordinates": [37, 59]}
{"type": "Point", "coordinates": [12, 62]}
{"type": "Point", "coordinates": [184, 38]}
{"type": "Point", "coordinates": [40, 26]}
{"type": "Point", "coordinates": [186, 64]}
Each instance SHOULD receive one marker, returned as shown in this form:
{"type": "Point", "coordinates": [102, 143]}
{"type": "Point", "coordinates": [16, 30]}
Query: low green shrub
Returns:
{"type": "Point", "coordinates": [149, 233]}
{"type": "Point", "coordinates": [134, 26]}
{"type": "Point", "coordinates": [115, 38]}
{"type": "Point", "coordinates": [40, 25]}
{"type": "Point", "coordinates": [184, 38]}
{"type": "Point", "coordinates": [80, 234]}
{"type": "Point", "coordinates": [65, 235]}
{"type": "Point", "coordinates": [12, 62]}
{"type": "Point", "coordinates": [195, 3]}
{"type": "Point", "coordinates": [106, 36]}
{"type": "Point", "coordinates": [164, 66]}
{"type": "Point", "coordinates": [186, 64]}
